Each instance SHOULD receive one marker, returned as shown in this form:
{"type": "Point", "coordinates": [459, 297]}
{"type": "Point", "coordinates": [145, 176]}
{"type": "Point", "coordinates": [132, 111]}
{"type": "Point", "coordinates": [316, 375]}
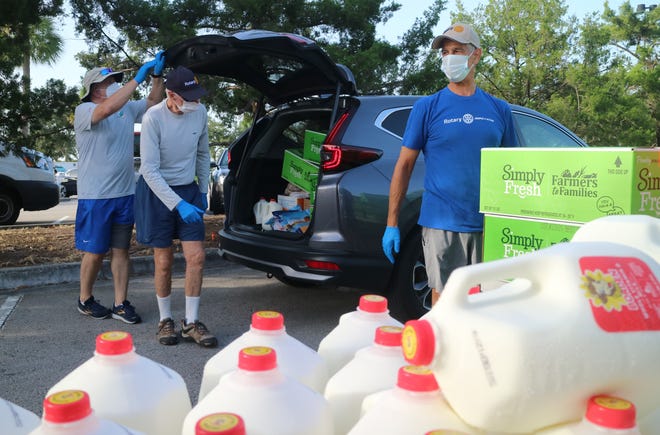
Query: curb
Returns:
{"type": "Point", "coordinates": [14, 278]}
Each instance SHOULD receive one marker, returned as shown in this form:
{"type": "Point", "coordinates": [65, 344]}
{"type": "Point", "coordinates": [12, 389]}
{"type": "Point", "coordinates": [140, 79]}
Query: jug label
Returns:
{"type": "Point", "coordinates": [623, 292]}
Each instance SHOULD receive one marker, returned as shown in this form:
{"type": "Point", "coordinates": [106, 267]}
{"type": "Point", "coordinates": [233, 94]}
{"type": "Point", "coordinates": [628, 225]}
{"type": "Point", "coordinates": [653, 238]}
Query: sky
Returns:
{"type": "Point", "coordinates": [67, 68]}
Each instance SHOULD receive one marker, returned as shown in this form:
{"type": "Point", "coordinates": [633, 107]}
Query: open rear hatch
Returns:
{"type": "Point", "coordinates": [286, 69]}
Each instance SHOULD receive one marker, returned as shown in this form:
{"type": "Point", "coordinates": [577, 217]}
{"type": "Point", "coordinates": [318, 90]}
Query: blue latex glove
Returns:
{"type": "Point", "coordinates": [205, 202]}
{"type": "Point", "coordinates": [391, 242]}
{"type": "Point", "coordinates": [143, 72]}
{"type": "Point", "coordinates": [188, 212]}
{"type": "Point", "coordinates": [160, 63]}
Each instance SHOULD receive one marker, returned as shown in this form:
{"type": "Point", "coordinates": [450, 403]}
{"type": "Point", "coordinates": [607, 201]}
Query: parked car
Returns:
{"type": "Point", "coordinates": [27, 182]}
{"type": "Point", "coordinates": [219, 171]}
{"type": "Point", "coordinates": [306, 90]}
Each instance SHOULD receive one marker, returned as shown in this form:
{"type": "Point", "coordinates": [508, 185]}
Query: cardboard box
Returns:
{"type": "Point", "coordinates": [506, 236]}
{"type": "Point", "coordinates": [299, 171]}
{"type": "Point", "coordinates": [289, 202]}
{"type": "Point", "coordinates": [312, 145]}
{"type": "Point", "coordinates": [570, 184]}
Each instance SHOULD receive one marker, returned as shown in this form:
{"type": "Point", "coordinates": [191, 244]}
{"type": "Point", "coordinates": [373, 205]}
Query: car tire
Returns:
{"type": "Point", "coordinates": [410, 295]}
{"type": "Point", "coordinates": [63, 192]}
{"type": "Point", "coordinates": [9, 208]}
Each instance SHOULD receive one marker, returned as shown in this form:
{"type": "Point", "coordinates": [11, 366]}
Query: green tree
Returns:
{"type": "Point", "coordinates": [611, 89]}
{"type": "Point", "coordinates": [345, 28]}
{"type": "Point", "coordinates": [43, 45]}
{"type": "Point", "coordinates": [637, 36]}
{"type": "Point", "coordinates": [20, 21]}
{"type": "Point", "coordinates": [525, 46]}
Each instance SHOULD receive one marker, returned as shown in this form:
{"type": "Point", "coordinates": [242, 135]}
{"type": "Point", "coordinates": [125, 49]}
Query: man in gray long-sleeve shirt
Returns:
{"type": "Point", "coordinates": [170, 204]}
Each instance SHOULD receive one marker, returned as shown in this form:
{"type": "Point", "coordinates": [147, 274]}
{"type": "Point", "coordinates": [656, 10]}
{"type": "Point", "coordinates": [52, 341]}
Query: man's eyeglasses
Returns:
{"type": "Point", "coordinates": [106, 71]}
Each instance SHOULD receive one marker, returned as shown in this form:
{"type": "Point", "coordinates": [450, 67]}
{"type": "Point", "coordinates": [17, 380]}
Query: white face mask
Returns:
{"type": "Point", "coordinates": [111, 89]}
{"type": "Point", "coordinates": [188, 106]}
{"type": "Point", "coordinates": [455, 66]}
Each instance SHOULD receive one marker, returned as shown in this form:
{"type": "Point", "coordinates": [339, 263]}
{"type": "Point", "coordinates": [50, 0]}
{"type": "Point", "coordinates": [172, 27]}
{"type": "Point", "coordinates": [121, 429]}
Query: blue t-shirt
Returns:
{"type": "Point", "coordinates": [451, 130]}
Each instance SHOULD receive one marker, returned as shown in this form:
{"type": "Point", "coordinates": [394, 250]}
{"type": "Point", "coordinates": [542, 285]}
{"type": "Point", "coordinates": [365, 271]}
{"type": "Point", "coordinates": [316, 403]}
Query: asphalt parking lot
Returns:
{"type": "Point", "coordinates": [43, 337]}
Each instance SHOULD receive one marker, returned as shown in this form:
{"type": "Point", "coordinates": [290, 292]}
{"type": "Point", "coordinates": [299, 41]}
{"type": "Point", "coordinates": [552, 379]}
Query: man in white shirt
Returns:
{"type": "Point", "coordinates": [170, 204]}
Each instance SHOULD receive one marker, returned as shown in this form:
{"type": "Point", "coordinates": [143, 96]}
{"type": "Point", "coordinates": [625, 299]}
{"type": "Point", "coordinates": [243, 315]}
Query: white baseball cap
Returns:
{"type": "Point", "coordinates": [459, 32]}
{"type": "Point", "coordinates": [97, 75]}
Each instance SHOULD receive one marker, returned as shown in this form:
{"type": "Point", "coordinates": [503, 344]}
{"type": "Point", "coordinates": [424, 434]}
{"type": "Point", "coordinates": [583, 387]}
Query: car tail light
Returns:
{"type": "Point", "coordinates": [338, 157]}
{"type": "Point", "coordinates": [322, 265]}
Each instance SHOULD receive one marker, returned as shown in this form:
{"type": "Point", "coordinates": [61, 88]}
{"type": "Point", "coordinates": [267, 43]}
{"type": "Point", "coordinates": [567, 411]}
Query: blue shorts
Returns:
{"type": "Point", "coordinates": [104, 223]}
{"type": "Point", "coordinates": [156, 225]}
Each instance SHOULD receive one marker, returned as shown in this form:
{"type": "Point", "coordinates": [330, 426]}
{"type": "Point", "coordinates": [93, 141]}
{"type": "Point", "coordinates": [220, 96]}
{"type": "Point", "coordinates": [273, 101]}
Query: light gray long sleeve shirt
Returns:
{"type": "Point", "coordinates": [174, 148]}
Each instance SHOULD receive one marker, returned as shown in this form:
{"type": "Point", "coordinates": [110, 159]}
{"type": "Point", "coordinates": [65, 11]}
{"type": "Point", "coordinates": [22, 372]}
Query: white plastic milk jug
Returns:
{"type": "Point", "coordinates": [69, 412]}
{"type": "Point", "coordinates": [639, 231]}
{"type": "Point", "coordinates": [15, 420]}
{"type": "Point", "coordinates": [294, 358]}
{"type": "Point", "coordinates": [414, 406]}
{"type": "Point", "coordinates": [580, 318]}
{"type": "Point", "coordinates": [268, 213]}
{"type": "Point", "coordinates": [220, 423]}
{"type": "Point", "coordinates": [605, 415]}
{"type": "Point", "coordinates": [354, 331]}
{"type": "Point", "coordinates": [259, 210]}
{"type": "Point", "coordinates": [373, 368]}
{"type": "Point", "coordinates": [130, 389]}
{"type": "Point", "coordinates": [270, 402]}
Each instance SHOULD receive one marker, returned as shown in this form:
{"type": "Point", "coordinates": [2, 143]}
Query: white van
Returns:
{"type": "Point", "coordinates": [27, 181]}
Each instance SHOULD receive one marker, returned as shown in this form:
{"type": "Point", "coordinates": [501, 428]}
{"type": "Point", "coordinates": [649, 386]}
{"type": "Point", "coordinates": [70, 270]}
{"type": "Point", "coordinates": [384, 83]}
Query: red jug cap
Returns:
{"type": "Point", "coordinates": [416, 378]}
{"type": "Point", "coordinates": [67, 406]}
{"type": "Point", "coordinates": [257, 358]}
{"type": "Point", "coordinates": [220, 423]}
{"type": "Point", "coordinates": [418, 342]}
{"type": "Point", "coordinates": [611, 412]}
{"type": "Point", "coordinates": [114, 343]}
{"type": "Point", "coordinates": [267, 320]}
{"type": "Point", "coordinates": [373, 304]}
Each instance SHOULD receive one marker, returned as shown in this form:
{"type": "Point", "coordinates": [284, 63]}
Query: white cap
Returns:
{"type": "Point", "coordinates": [459, 32]}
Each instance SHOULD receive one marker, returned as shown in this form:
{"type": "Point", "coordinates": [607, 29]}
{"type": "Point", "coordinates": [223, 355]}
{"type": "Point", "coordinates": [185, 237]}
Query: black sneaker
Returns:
{"type": "Point", "coordinates": [92, 308]}
{"type": "Point", "coordinates": [126, 313]}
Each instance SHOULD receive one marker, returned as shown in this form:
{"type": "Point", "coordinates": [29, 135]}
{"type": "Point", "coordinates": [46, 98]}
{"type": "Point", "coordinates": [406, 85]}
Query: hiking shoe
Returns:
{"type": "Point", "coordinates": [92, 308]}
{"type": "Point", "coordinates": [166, 332]}
{"type": "Point", "coordinates": [126, 313]}
{"type": "Point", "coordinates": [197, 332]}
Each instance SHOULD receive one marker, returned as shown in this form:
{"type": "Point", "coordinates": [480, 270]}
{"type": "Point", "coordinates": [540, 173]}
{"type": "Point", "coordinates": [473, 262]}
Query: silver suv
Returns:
{"type": "Point", "coordinates": [305, 90]}
{"type": "Point", "coordinates": [27, 181]}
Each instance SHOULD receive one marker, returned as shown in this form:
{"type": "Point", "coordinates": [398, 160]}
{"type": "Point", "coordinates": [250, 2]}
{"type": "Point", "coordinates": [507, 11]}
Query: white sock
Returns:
{"type": "Point", "coordinates": [164, 307]}
{"type": "Point", "coordinates": [192, 309]}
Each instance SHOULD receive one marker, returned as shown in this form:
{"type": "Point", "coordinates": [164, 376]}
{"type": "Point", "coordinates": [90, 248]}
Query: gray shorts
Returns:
{"type": "Point", "coordinates": [445, 251]}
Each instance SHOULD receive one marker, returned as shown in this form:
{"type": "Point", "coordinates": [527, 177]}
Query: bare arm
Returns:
{"type": "Point", "coordinates": [399, 185]}
{"type": "Point", "coordinates": [116, 101]}
{"type": "Point", "coordinates": [157, 91]}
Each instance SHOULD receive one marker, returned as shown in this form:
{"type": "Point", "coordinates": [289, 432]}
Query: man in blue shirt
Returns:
{"type": "Point", "coordinates": [450, 127]}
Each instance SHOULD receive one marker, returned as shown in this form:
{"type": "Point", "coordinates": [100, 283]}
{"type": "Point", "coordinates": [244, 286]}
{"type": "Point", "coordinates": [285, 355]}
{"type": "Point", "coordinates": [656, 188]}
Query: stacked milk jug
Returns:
{"type": "Point", "coordinates": [294, 358]}
{"type": "Point", "coordinates": [128, 388]}
{"type": "Point", "coordinates": [575, 320]}
{"type": "Point", "coordinates": [270, 402]}
{"type": "Point", "coordinates": [354, 331]}
{"type": "Point", "coordinates": [414, 406]}
{"type": "Point", "coordinates": [372, 368]}
{"type": "Point", "coordinates": [69, 412]}
{"type": "Point", "coordinates": [15, 420]}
